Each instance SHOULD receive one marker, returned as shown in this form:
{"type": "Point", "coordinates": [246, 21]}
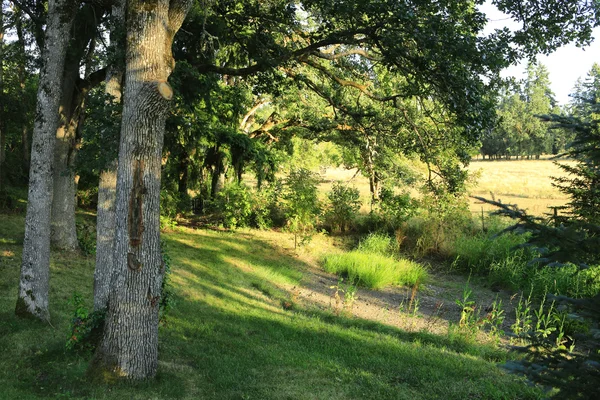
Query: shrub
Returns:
{"type": "Point", "coordinates": [395, 209]}
{"type": "Point", "coordinates": [301, 202]}
{"type": "Point", "coordinates": [85, 330]}
{"type": "Point", "coordinates": [265, 210]}
{"type": "Point", "coordinates": [344, 203]}
{"type": "Point", "coordinates": [373, 270]}
{"type": "Point", "coordinates": [234, 204]}
{"type": "Point", "coordinates": [86, 236]}
{"type": "Point", "coordinates": [441, 221]}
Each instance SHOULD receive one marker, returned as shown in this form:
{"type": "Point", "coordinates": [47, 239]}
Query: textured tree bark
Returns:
{"type": "Point", "coordinates": [64, 232]}
{"type": "Point", "coordinates": [2, 121]}
{"type": "Point", "coordinates": [129, 347]}
{"type": "Point", "coordinates": [34, 281]}
{"type": "Point", "coordinates": [105, 234]}
{"type": "Point", "coordinates": [22, 77]}
{"type": "Point", "coordinates": [105, 217]}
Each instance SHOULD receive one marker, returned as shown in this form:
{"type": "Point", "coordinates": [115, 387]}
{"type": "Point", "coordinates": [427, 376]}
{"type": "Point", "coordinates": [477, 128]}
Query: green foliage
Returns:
{"type": "Point", "coordinates": [395, 209]}
{"type": "Point", "coordinates": [472, 321]}
{"type": "Point", "coordinates": [301, 202]}
{"type": "Point", "coordinates": [213, 278]}
{"type": "Point", "coordinates": [344, 203]}
{"type": "Point", "coordinates": [441, 221]}
{"type": "Point", "coordinates": [479, 251]}
{"type": "Point", "coordinates": [86, 236]}
{"type": "Point", "coordinates": [167, 291]}
{"type": "Point", "coordinates": [266, 212]}
{"type": "Point", "coordinates": [377, 243]}
{"type": "Point", "coordinates": [375, 271]}
{"type": "Point", "coordinates": [171, 204]}
{"type": "Point", "coordinates": [85, 328]}
{"type": "Point", "coordinates": [234, 203]}
{"type": "Point", "coordinates": [520, 132]}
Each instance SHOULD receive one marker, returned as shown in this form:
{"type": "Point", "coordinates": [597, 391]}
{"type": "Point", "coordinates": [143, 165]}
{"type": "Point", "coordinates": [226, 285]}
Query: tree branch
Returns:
{"type": "Point", "coordinates": [347, 37]}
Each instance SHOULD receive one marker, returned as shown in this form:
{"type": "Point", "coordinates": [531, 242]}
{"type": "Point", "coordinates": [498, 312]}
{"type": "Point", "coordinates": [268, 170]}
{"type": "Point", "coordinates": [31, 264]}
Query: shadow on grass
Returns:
{"type": "Point", "coordinates": [229, 338]}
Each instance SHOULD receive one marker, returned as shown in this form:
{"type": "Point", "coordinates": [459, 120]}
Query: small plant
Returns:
{"type": "Point", "coordinates": [167, 299]}
{"type": "Point", "coordinates": [85, 328]}
{"type": "Point", "coordinates": [302, 204]}
{"type": "Point", "coordinates": [495, 318]}
{"type": "Point", "coordinates": [469, 318]}
{"type": "Point", "coordinates": [348, 290]}
{"type": "Point", "coordinates": [523, 318]}
{"type": "Point", "coordinates": [86, 237]}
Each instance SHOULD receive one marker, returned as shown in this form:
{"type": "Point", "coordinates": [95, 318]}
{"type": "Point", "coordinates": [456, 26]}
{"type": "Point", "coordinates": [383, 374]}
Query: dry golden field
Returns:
{"type": "Point", "coordinates": [526, 183]}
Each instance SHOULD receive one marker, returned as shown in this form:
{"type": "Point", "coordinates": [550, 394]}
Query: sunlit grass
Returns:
{"type": "Point", "coordinates": [228, 337]}
{"type": "Point", "coordinates": [373, 270]}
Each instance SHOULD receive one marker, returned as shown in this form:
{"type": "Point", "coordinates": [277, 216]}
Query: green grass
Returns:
{"type": "Point", "coordinates": [503, 263]}
{"type": "Point", "coordinates": [228, 337]}
{"type": "Point", "coordinates": [377, 243]}
{"type": "Point", "coordinates": [373, 270]}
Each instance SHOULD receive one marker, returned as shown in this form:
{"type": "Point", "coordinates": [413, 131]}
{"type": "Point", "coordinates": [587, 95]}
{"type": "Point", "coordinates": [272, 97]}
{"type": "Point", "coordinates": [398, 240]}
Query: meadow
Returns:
{"type": "Point", "coordinates": [341, 317]}
{"type": "Point", "coordinates": [238, 331]}
{"type": "Point", "coordinates": [526, 183]}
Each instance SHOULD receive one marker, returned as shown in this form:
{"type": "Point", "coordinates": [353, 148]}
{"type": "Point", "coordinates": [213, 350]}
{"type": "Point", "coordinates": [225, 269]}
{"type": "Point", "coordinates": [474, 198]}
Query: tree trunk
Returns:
{"type": "Point", "coordinates": [64, 232]}
{"type": "Point", "coordinates": [22, 77]}
{"type": "Point", "coordinates": [35, 274]}
{"type": "Point", "coordinates": [105, 217]}
{"type": "Point", "coordinates": [2, 118]}
{"type": "Point", "coordinates": [105, 233]}
{"type": "Point", "coordinates": [129, 347]}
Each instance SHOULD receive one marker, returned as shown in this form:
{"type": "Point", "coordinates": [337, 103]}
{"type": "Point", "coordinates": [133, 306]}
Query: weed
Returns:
{"type": "Point", "coordinates": [86, 237]}
{"type": "Point", "coordinates": [85, 328]}
{"type": "Point", "coordinates": [495, 318]}
{"type": "Point", "coordinates": [348, 290]}
{"type": "Point", "coordinates": [469, 322]}
{"type": "Point", "coordinates": [523, 318]}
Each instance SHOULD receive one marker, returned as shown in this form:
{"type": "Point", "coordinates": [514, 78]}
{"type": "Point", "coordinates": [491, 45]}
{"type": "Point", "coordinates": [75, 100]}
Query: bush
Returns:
{"type": "Point", "coordinates": [234, 204]}
{"type": "Point", "coordinates": [265, 210]}
{"type": "Point", "coordinates": [85, 330]}
{"type": "Point", "coordinates": [373, 270]}
{"type": "Point", "coordinates": [301, 203]}
{"type": "Point", "coordinates": [344, 203]}
{"type": "Point", "coordinates": [395, 209]}
{"type": "Point", "coordinates": [438, 226]}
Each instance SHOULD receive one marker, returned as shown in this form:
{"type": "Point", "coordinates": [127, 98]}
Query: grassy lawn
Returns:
{"type": "Point", "coordinates": [228, 336]}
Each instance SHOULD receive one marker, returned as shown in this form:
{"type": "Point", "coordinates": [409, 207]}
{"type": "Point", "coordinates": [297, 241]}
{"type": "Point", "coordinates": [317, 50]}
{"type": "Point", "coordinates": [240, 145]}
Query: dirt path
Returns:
{"type": "Point", "coordinates": [431, 307]}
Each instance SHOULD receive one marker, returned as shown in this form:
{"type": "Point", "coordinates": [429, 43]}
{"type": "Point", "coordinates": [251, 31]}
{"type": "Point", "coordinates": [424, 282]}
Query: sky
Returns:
{"type": "Point", "coordinates": [565, 65]}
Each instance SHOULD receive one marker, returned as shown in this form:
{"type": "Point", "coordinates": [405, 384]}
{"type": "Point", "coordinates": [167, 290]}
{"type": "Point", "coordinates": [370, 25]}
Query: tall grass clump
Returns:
{"type": "Point", "coordinates": [476, 253]}
{"type": "Point", "coordinates": [375, 271]}
{"type": "Point", "coordinates": [377, 243]}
